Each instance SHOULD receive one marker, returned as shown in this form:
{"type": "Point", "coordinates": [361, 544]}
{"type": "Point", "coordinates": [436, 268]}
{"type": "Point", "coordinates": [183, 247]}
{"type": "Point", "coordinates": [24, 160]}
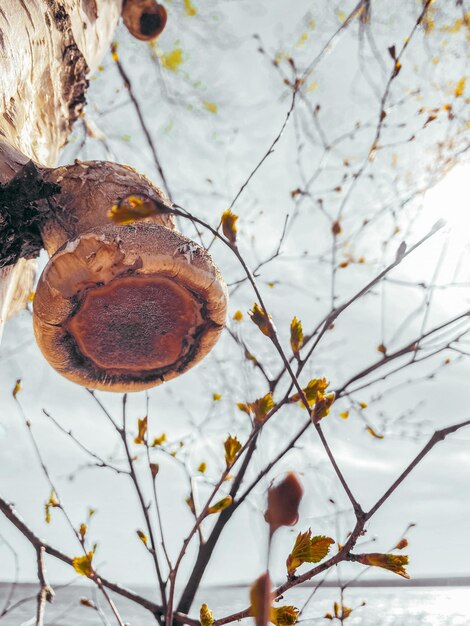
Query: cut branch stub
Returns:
{"type": "Point", "coordinates": [122, 307]}
{"type": "Point", "coordinates": [145, 19]}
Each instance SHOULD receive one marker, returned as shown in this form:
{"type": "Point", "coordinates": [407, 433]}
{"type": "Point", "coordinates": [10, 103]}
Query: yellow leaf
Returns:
{"type": "Point", "coordinates": [232, 448]}
{"type": "Point", "coordinates": [17, 388]}
{"type": "Point", "coordinates": [262, 320]}
{"type": "Point", "coordinates": [202, 467]}
{"type": "Point", "coordinates": [283, 615]}
{"type": "Point", "coordinates": [238, 316]}
{"type": "Point", "coordinates": [142, 431]}
{"type": "Point", "coordinates": [114, 53]}
{"type": "Point", "coordinates": [210, 106]}
{"type": "Point", "coordinates": [456, 26]}
{"type": "Point", "coordinates": [83, 530]}
{"type": "Point", "coordinates": [206, 616]}
{"type": "Point", "coordinates": [460, 88]}
{"type": "Point", "coordinates": [220, 505]}
{"type": "Point", "coordinates": [190, 502]}
{"type": "Point", "coordinates": [363, 405]}
{"type": "Point", "coordinates": [302, 39]}
{"type": "Point", "coordinates": [52, 503]}
{"type": "Point", "coordinates": [296, 335]}
{"type": "Point", "coordinates": [322, 406]}
{"type": "Point", "coordinates": [261, 407]}
{"type": "Point", "coordinates": [307, 549]}
{"type": "Point", "coordinates": [314, 388]}
{"type": "Point", "coordinates": [243, 407]}
{"type": "Point", "coordinates": [393, 562]}
{"type": "Point", "coordinates": [344, 415]}
{"type": "Point", "coordinates": [132, 208]}
{"type": "Point", "coordinates": [159, 440]}
{"type": "Point", "coordinates": [189, 8]}
{"type": "Point", "coordinates": [83, 564]}
{"type": "Point", "coordinates": [142, 536]}
{"type": "Point", "coordinates": [31, 296]}
{"type": "Point", "coordinates": [312, 87]}
{"type": "Point", "coordinates": [172, 60]}
{"type": "Point", "coordinates": [372, 432]}
{"type": "Point", "coordinates": [229, 225]}
{"type": "Point", "coordinates": [341, 16]}
{"type": "Point", "coordinates": [216, 396]}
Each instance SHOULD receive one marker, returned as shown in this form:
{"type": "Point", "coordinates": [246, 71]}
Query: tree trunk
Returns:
{"type": "Point", "coordinates": [47, 49]}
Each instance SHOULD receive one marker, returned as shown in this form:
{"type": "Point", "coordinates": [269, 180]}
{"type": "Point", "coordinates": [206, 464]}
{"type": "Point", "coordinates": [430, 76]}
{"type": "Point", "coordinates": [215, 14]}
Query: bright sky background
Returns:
{"type": "Point", "coordinates": [207, 156]}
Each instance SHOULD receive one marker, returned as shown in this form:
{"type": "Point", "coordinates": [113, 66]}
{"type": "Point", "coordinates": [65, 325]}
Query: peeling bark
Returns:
{"type": "Point", "coordinates": [47, 49]}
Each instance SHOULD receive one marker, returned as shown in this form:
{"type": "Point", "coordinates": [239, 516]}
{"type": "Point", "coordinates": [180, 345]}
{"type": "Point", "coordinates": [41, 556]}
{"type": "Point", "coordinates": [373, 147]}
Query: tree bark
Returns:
{"type": "Point", "coordinates": [47, 50]}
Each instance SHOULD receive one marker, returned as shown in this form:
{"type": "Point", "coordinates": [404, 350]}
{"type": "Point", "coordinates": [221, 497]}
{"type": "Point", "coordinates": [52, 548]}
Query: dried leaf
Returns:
{"type": "Point", "coordinates": [229, 225]}
{"type": "Point", "coordinates": [142, 536]}
{"type": "Point", "coordinates": [283, 502]}
{"type": "Point", "coordinates": [190, 502]}
{"type": "Point", "coordinates": [154, 468]}
{"type": "Point", "coordinates": [372, 432]}
{"type": "Point", "coordinates": [296, 335]}
{"type": "Point", "coordinates": [336, 228]}
{"type": "Point", "coordinates": [403, 543]}
{"type": "Point", "coordinates": [141, 431]}
{"type": "Point", "coordinates": [261, 600]}
{"type": "Point", "coordinates": [159, 440]}
{"type": "Point", "coordinates": [393, 562]}
{"type": "Point", "coordinates": [114, 53]}
{"type": "Point", "coordinates": [308, 549]}
{"type": "Point", "coordinates": [83, 530]}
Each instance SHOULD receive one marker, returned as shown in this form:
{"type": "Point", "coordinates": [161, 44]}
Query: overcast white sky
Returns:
{"type": "Point", "coordinates": [207, 156]}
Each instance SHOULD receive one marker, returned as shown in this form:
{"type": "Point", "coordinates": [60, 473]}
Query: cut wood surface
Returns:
{"type": "Point", "coordinates": [47, 50]}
